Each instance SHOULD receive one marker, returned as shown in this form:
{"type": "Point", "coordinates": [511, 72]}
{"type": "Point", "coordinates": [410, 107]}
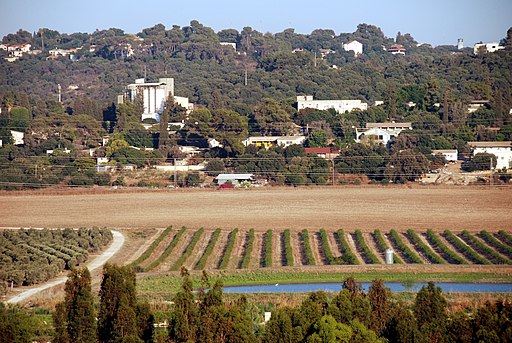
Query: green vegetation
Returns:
{"type": "Point", "coordinates": [492, 241]}
{"type": "Point", "coordinates": [382, 245]}
{"type": "Point", "coordinates": [152, 247]}
{"type": "Point", "coordinates": [209, 249]}
{"type": "Point", "coordinates": [347, 256]}
{"type": "Point", "coordinates": [483, 249]}
{"type": "Point", "coordinates": [223, 263]}
{"type": "Point", "coordinates": [424, 249]}
{"type": "Point", "coordinates": [309, 259]}
{"type": "Point", "coordinates": [288, 255]}
{"type": "Point", "coordinates": [447, 253]}
{"type": "Point", "coordinates": [188, 250]}
{"type": "Point", "coordinates": [326, 248]}
{"type": "Point", "coordinates": [410, 256]}
{"type": "Point", "coordinates": [244, 263]}
{"type": "Point", "coordinates": [267, 248]}
{"type": "Point", "coordinates": [367, 254]}
{"type": "Point", "coordinates": [464, 249]}
{"type": "Point", "coordinates": [31, 256]}
{"type": "Point", "coordinates": [505, 237]}
{"type": "Point", "coordinates": [167, 252]}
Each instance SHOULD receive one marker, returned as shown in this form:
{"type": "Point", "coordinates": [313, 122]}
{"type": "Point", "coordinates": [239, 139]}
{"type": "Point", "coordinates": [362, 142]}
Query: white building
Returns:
{"type": "Point", "coordinates": [341, 106]}
{"type": "Point", "coordinates": [154, 95]}
{"type": "Point", "coordinates": [233, 45]}
{"type": "Point", "coordinates": [449, 155]}
{"type": "Point", "coordinates": [381, 132]}
{"type": "Point", "coordinates": [489, 47]}
{"type": "Point", "coordinates": [354, 46]}
{"type": "Point", "coordinates": [18, 137]}
{"type": "Point", "coordinates": [397, 49]}
{"type": "Point", "coordinates": [502, 151]}
{"type": "Point", "coordinates": [235, 179]}
{"type": "Point", "coordinates": [269, 141]}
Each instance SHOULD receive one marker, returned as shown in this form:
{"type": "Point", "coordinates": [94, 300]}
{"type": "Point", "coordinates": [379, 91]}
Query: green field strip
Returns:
{"type": "Point", "coordinates": [424, 249]}
{"type": "Point", "coordinates": [326, 248]}
{"type": "Point", "coordinates": [496, 244]}
{"type": "Point", "coordinates": [209, 249]}
{"type": "Point", "coordinates": [411, 257]}
{"type": "Point", "coordinates": [464, 249]}
{"type": "Point", "coordinates": [347, 255]}
{"type": "Point", "coordinates": [383, 246]}
{"type": "Point", "coordinates": [167, 250]}
{"type": "Point", "coordinates": [309, 259]}
{"type": "Point", "coordinates": [505, 237]}
{"type": "Point", "coordinates": [188, 250]}
{"type": "Point", "coordinates": [249, 243]}
{"type": "Point", "coordinates": [287, 246]}
{"type": "Point", "coordinates": [448, 254]}
{"type": "Point", "coordinates": [147, 253]}
{"type": "Point", "coordinates": [483, 249]}
{"type": "Point", "coordinates": [226, 255]}
{"type": "Point", "coordinates": [367, 255]}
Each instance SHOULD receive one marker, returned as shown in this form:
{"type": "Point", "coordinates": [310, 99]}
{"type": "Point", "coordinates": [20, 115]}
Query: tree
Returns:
{"type": "Point", "coordinates": [279, 328]}
{"type": "Point", "coordinates": [379, 297]}
{"type": "Point", "coordinates": [215, 167]}
{"type": "Point", "coordinates": [317, 138]}
{"type": "Point", "coordinates": [15, 325]}
{"type": "Point", "coordinates": [327, 330]}
{"type": "Point", "coordinates": [117, 319]}
{"type": "Point", "coordinates": [183, 324]}
{"type": "Point", "coordinates": [481, 161]}
{"type": "Point", "coordinates": [430, 310]}
{"type": "Point", "coordinates": [74, 320]}
{"type": "Point", "coordinates": [406, 165]}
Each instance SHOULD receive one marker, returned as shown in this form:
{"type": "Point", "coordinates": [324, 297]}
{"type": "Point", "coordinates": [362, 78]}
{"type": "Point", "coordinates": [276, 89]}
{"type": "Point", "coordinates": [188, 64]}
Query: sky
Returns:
{"type": "Point", "coordinates": [437, 22]}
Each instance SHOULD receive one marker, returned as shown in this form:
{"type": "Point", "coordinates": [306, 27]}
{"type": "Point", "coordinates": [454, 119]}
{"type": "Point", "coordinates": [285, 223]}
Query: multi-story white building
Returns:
{"type": "Point", "coordinates": [269, 141]}
{"type": "Point", "coordinates": [449, 155]}
{"type": "Point", "coordinates": [341, 106]}
{"type": "Point", "coordinates": [154, 95]}
{"type": "Point", "coordinates": [381, 132]}
{"type": "Point", "coordinates": [502, 151]}
{"type": "Point", "coordinates": [489, 47]}
{"type": "Point", "coordinates": [354, 46]}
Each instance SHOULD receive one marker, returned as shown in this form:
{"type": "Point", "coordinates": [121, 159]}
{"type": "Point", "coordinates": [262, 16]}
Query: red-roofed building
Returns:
{"type": "Point", "coordinates": [327, 153]}
{"type": "Point", "coordinates": [397, 49]}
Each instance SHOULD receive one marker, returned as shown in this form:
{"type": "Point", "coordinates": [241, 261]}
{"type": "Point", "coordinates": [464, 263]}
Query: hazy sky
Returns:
{"type": "Point", "coordinates": [429, 21]}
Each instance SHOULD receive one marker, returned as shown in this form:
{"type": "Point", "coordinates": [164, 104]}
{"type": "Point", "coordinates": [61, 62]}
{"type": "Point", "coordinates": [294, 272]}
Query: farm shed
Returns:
{"type": "Point", "coordinates": [234, 179]}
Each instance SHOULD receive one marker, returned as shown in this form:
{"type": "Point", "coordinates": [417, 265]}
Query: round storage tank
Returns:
{"type": "Point", "coordinates": [389, 256]}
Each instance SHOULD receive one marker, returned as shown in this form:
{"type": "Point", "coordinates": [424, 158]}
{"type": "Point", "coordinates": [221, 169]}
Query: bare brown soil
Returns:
{"type": "Point", "coordinates": [365, 208]}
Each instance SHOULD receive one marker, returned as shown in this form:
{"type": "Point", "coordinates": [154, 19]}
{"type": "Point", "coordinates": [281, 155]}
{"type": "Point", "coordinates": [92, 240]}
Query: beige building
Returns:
{"type": "Point", "coordinates": [341, 106]}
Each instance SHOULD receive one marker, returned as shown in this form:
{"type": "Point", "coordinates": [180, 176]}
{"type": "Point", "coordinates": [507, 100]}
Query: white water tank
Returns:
{"type": "Point", "coordinates": [389, 256]}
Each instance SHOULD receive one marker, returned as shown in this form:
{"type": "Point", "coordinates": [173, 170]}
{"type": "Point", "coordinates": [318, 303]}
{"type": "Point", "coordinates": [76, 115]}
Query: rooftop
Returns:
{"type": "Point", "coordinates": [504, 144]}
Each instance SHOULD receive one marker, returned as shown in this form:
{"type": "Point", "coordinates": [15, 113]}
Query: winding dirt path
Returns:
{"type": "Point", "coordinates": [117, 243]}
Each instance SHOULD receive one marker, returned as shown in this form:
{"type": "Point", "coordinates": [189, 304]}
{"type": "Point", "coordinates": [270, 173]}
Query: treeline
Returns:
{"type": "Point", "coordinates": [203, 315]}
{"type": "Point", "coordinates": [30, 256]}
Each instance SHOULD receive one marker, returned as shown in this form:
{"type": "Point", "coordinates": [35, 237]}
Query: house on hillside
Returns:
{"type": "Point", "coordinates": [449, 155]}
{"type": "Point", "coordinates": [397, 49]}
{"type": "Point", "coordinates": [327, 153]}
{"type": "Point", "coordinates": [354, 46]}
{"type": "Point", "coordinates": [269, 141]}
{"type": "Point", "coordinates": [234, 179]}
{"type": "Point", "coordinates": [502, 151]}
{"type": "Point", "coordinates": [340, 106]}
{"type": "Point", "coordinates": [488, 47]}
{"type": "Point", "coordinates": [381, 132]}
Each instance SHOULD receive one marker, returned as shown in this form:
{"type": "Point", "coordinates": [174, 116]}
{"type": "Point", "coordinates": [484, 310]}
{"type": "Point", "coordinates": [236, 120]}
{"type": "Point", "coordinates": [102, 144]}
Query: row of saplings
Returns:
{"type": "Point", "coordinates": [203, 316]}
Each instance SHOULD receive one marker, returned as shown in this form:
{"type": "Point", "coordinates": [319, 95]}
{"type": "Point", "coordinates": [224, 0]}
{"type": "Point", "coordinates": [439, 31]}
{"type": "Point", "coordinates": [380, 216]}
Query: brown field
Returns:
{"type": "Point", "coordinates": [365, 208]}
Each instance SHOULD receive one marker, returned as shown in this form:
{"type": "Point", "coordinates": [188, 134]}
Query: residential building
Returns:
{"type": "Point", "coordinates": [341, 106]}
{"type": "Point", "coordinates": [354, 46]}
{"type": "Point", "coordinates": [233, 45]}
{"type": "Point", "coordinates": [476, 104]}
{"type": "Point", "coordinates": [397, 49]}
{"type": "Point", "coordinates": [381, 132]}
{"type": "Point", "coordinates": [269, 141]}
{"type": "Point", "coordinates": [234, 179]}
{"type": "Point", "coordinates": [449, 155]}
{"type": "Point", "coordinates": [153, 94]}
{"type": "Point", "coordinates": [327, 153]}
{"type": "Point", "coordinates": [18, 137]}
{"type": "Point", "coordinates": [502, 151]}
{"type": "Point", "coordinates": [489, 47]}
{"type": "Point", "coordinates": [325, 52]}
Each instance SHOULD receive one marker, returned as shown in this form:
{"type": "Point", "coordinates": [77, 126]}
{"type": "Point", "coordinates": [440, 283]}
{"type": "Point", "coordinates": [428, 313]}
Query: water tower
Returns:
{"type": "Point", "coordinates": [460, 44]}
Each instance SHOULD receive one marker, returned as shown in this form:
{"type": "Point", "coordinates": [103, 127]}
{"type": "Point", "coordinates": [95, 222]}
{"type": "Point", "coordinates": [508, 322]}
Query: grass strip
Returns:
{"type": "Point", "coordinates": [411, 257]}
{"type": "Point", "coordinates": [287, 248]}
{"type": "Point", "coordinates": [167, 250]}
{"type": "Point", "coordinates": [383, 246]}
{"type": "Point", "coordinates": [267, 261]}
{"type": "Point", "coordinates": [368, 256]}
{"type": "Point", "coordinates": [449, 254]}
{"type": "Point", "coordinates": [424, 249]}
{"type": "Point", "coordinates": [347, 256]}
{"type": "Point", "coordinates": [505, 237]}
{"type": "Point", "coordinates": [464, 249]}
{"type": "Point", "coordinates": [308, 254]}
{"type": "Point", "coordinates": [248, 250]}
{"type": "Point", "coordinates": [188, 250]}
{"type": "Point", "coordinates": [329, 257]}
{"type": "Point", "coordinates": [209, 249]}
{"type": "Point", "coordinates": [496, 244]}
{"type": "Point", "coordinates": [483, 249]}
{"type": "Point", "coordinates": [145, 255]}
{"type": "Point", "coordinates": [229, 248]}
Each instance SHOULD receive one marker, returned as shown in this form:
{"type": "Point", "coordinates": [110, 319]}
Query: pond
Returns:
{"type": "Point", "coordinates": [393, 286]}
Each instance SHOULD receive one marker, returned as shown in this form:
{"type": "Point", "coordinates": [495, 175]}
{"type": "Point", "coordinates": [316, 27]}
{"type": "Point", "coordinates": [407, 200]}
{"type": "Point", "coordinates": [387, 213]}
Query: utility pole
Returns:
{"type": "Point", "coordinates": [175, 175]}
{"type": "Point", "coordinates": [491, 169]}
{"type": "Point", "coordinates": [315, 60]}
{"type": "Point", "coordinates": [333, 171]}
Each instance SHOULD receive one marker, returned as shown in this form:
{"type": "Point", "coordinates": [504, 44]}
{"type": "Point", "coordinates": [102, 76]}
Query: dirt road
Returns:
{"type": "Point", "coordinates": [117, 244]}
{"type": "Point", "coordinates": [366, 208]}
